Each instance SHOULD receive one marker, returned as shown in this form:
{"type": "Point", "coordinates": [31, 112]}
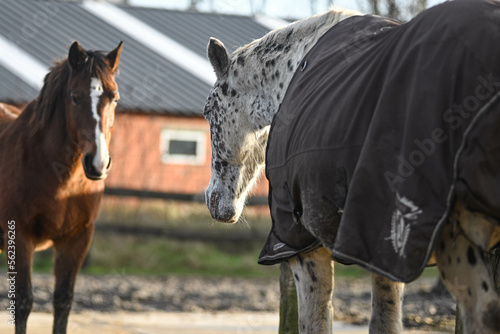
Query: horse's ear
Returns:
{"type": "Point", "coordinates": [218, 56]}
{"type": "Point", "coordinates": [114, 57]}
{"type": "Point", "coordinates": [77, 56]}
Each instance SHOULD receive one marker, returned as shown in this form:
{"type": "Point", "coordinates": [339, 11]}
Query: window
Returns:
{"type": "Point", "coordinates": [182, 147]}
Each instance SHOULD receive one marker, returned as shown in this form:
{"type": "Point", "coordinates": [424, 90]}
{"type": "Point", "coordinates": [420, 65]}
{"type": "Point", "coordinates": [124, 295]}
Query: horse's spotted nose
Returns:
{"type": "Point", "coordinates": [220, 209]}
{"type": "Point", "coordinates": [213, 204]}
{"type": "Point", "coordinates": [213, 199]}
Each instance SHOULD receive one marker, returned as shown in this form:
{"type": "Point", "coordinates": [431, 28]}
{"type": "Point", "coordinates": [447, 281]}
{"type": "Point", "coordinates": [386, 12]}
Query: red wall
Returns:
{"type": "Point", "coordinates": [137, 164]}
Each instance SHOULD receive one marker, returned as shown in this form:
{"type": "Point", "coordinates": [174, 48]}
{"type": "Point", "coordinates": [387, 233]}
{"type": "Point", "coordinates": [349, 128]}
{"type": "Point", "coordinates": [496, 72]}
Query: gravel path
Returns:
{"type": "Point", "coordinates": [423, 309]}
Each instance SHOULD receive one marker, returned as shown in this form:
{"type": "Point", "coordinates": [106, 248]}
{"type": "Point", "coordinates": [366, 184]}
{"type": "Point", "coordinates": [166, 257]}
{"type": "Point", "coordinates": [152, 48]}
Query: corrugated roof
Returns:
{"type": "Point", "coordinates": [148, 81]}
{"type": "Point", "coordinates": [13, 89]}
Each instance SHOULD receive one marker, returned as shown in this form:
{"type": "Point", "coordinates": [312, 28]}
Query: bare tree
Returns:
{"type": "Point", "coordinates": [257, 7]}
{"type": "Point", "coordinates": [263, 6]}
{"type": "Point", "coordinates": [313, 4]}
{"type": "Point", "coordinates": [374, 5]}
{"type": "Point", "coordinates": [193, 4]}
{"type": "Point", "coordinates": [417, 6]}
{"type": "Point", "coordinates": [393, 9]}
{"type": "Point", "coordinates": [396, 9]}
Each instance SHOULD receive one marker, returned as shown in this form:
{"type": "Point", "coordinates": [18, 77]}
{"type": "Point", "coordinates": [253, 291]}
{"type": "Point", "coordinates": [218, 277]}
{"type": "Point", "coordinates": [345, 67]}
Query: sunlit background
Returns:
{"type": "Point", "coordinates": [287, 9]}
{"type": "Point", "coordinates": [153, 220]}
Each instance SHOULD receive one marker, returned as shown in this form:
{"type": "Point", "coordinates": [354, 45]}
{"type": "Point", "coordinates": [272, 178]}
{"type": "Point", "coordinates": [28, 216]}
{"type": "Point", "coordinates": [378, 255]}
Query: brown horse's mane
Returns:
{"type": "Point", "coordinates": [54, 94]}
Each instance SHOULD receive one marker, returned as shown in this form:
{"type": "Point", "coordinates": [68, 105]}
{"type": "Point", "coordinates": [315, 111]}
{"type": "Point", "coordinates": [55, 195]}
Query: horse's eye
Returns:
{"type": "Point", "coordinates": [75, 98]}
{"type": "Point", "coordinates": [114, 96]}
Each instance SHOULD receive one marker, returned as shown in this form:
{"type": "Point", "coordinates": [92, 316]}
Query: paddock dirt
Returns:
{"type": "Point", "coordinates": [136, 304]}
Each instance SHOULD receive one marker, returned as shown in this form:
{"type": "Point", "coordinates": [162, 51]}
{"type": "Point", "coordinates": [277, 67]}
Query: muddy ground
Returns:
{"type": "Point", "coordinates": [424, 308]}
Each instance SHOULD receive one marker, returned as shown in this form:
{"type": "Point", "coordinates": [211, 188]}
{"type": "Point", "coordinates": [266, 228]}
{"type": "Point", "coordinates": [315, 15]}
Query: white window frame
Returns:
{"type": "Point", "coordinates": [197, 136]}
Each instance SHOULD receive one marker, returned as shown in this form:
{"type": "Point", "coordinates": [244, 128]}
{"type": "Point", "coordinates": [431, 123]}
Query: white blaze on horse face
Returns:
{"type": "Point", "coordinates": [101, 158]}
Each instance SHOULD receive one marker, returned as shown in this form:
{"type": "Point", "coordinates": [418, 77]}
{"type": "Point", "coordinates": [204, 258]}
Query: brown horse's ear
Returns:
{"type": "Point", "coordinates": [114, 57]}
{"type": "Point", "coordinates": [77, 56]}
{"type": "Point", "coordinates": [218, 56]}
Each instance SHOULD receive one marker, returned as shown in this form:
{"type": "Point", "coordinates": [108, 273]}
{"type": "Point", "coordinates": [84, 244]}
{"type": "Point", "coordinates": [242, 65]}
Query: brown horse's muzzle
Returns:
{"type": "Point", "coordinates": [91, 172]}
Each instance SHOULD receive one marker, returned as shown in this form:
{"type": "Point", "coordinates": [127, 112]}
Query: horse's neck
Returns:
{"type": "Point", "coordinates": [284, 50]}
{"type": "Point", "coordinates": [48, 143]}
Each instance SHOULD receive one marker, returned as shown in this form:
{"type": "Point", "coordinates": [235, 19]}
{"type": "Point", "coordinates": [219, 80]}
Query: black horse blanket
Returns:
{"type": "Point", "coordinates": [383, 126]}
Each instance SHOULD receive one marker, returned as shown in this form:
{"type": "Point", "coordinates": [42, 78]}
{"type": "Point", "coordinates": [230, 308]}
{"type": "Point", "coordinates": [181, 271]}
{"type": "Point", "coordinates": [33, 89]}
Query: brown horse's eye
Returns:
{"type": "Point", "coordinates": [115, 97]}
{"type": "Point", "coordinates": [75, 98]}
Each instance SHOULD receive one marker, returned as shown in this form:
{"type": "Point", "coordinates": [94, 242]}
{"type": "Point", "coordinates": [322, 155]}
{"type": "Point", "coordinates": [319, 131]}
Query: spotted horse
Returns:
{"type": "Point", "coordinates": [380, 144]}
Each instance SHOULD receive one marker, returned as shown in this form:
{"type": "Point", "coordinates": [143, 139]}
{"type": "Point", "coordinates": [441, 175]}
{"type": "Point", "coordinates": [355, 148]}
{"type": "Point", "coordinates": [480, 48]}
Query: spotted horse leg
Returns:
{"type": "Point", "coordinates": [461, 262]}
{"type": "Point", "coordinates": [387, 303]}
{"type": "Point", "coordinates": [313, 274]}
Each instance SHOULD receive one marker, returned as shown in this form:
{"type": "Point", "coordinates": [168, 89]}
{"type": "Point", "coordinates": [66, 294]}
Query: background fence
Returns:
{"type": "Point", "coordinates": [112, 223]}
{"type": "Point", "coordinates": [143, 232]}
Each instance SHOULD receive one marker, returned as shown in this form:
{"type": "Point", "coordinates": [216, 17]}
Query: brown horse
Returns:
{"type": "Point", "coordinates": [53, 160]}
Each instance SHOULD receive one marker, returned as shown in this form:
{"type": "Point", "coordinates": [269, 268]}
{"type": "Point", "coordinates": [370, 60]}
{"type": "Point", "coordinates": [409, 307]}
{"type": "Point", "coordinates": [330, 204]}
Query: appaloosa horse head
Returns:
{"type": "Point", "coordinates": [250, 85]}
{"type": "Point", "coordinates": [238, 135]}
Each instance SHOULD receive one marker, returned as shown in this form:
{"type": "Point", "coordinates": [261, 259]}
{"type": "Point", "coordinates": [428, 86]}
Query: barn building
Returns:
{"type": "Point", "coordinates": [161, 142]}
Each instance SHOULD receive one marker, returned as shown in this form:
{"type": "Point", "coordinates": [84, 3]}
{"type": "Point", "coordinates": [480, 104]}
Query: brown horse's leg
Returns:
{"type": "Point", "coordinates": [69, 256]}
{"type": "Point", "coordinates": [461, 262]}
{"type": "Point", "coordinates": [387, 303]}
{"type": "Point", "coordinates": [313, 274]}
{"type": "Point", "coordinates": [22, 278]}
